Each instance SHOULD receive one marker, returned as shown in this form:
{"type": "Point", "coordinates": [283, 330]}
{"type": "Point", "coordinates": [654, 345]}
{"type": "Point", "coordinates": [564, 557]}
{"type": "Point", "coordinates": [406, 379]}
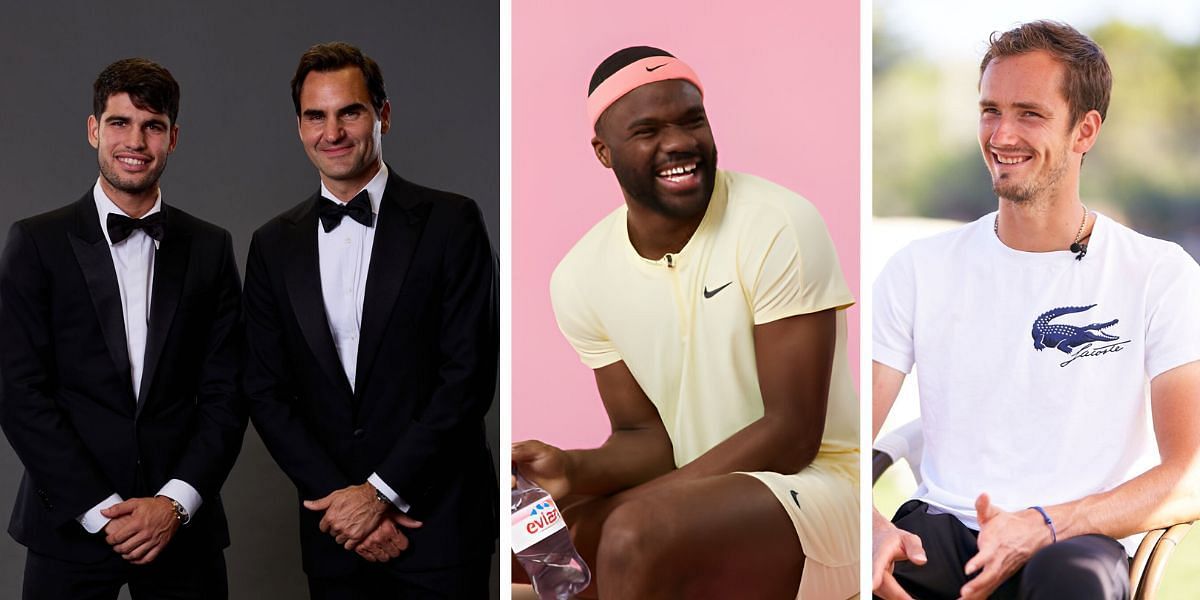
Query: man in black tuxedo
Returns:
{"type": "Point", "coordinates": [382, 434]}
{"type": "Point", "coordinates": [119, 352]}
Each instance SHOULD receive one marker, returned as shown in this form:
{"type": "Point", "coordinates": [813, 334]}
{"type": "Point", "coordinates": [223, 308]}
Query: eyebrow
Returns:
{"type": "Point", "coordinates": [316, 112]}
{"type": "Point", "coordinates": [128, 119]}
{"type": "Point", "coordinates": [988, 103]}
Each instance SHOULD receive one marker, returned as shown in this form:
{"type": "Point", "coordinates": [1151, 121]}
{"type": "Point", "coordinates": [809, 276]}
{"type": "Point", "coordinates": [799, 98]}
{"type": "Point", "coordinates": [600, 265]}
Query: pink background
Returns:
{"type": "Point", "coordinates": [782, 94]}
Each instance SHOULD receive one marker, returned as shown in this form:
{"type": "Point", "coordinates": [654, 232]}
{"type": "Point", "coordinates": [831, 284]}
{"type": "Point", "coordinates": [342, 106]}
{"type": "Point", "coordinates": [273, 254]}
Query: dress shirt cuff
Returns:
{"type": "Point", "coordinates": [92, 520]}
{"type": "Point", "coordinates": [183, 493]}
{"type": "Point", "coordinates": [387, 491]}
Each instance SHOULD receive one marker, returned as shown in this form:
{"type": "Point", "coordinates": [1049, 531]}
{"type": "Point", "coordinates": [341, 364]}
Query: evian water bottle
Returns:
{"type": "Point", "coordinates": [542, 544]}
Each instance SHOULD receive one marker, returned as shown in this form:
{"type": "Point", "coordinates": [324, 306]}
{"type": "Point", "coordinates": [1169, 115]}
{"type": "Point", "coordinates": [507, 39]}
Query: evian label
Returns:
{"type": "Point", "coordinates": [535, 523]}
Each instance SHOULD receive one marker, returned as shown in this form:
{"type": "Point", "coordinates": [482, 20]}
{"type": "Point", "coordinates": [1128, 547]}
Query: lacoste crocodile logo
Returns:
{"type": "Point", "coordinates": [1067, 337]}
{"type": "Point", "coordinates": [708, 294]}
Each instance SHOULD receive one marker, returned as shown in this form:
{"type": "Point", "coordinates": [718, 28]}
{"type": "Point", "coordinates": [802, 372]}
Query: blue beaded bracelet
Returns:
{"type": "Point", "coordinates": [1049, 523]}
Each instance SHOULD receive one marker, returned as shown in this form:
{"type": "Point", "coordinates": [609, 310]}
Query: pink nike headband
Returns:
{"type": "Point", "coordinates": [635, 75]}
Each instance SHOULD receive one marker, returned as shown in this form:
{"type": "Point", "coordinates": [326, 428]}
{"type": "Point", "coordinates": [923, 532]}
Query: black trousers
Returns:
{"type": "Point", "coordinates": [377, 582]}
{"type": "Point", "coordinates": [1092, 567]}
{"type": "Point", "coordinates": [172, 576]}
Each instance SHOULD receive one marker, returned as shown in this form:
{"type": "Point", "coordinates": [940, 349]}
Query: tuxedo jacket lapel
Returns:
{"type": "Point", "coordinates": [401, 220]}
{"type": "Point", "coordinates": [303, 279]}
{"type": "Point", "coordinates": [170, 268]}
{"type": "Point", "coordinates": [95, 260]}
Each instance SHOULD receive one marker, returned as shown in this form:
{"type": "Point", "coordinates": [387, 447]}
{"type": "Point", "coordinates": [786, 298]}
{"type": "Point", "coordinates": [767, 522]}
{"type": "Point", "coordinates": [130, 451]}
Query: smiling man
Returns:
{"type": "Point", "coordinates": [1037, 475]}
{"type": "Point", "coordinates": [119, 351]}
{"type": "Point", "coordinates": [371, 320]}
{"type": "Point", "coordinates": [709, 306]}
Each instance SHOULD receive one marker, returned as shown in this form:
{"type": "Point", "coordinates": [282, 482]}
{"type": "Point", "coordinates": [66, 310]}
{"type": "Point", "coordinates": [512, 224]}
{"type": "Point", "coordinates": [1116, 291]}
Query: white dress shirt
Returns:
{"type": "Point", "coordinates": [345, 258]}
{"type": "Point", "coordinates": [133, 259]}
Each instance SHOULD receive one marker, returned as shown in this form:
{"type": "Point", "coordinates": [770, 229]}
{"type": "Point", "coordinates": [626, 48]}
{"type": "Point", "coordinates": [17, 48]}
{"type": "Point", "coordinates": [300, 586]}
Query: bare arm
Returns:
{"type": "Point", "coordinates": [794, 358]}
{"type": "Point", "coordinates": [637, 450]}
{"type": "Point", "coordinates": [889, 543]}
{"type": "Point", "coordinates": [1166, 494]}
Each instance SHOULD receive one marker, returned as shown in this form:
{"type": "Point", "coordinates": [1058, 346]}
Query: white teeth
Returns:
{"type": "Point", "coordinates": [1010, 161]}
{"type": "Point", "coordinates": [671, 173]}
{"type": "Point", "coordinates": [132, 161]}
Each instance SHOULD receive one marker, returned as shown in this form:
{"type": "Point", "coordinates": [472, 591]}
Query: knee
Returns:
{"type": "Point", "coordinates": [631, 541]}
{"type": "Point", "coordinates": [1087, 567]}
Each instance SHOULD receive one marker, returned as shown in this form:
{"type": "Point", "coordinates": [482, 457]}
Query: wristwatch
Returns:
{"type": "Point", "coordinates": [181, 513]}
{"type": "Point", "coordinates": [381, 498]}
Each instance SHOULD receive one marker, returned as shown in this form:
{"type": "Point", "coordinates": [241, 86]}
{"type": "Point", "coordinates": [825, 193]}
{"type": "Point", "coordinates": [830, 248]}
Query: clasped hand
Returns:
{"type": "Point", "coordinates": [140, 528]}
{"type": "Point", "coordinates": [360, 522]}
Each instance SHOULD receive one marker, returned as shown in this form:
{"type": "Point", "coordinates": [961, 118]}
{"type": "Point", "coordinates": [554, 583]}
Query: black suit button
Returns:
{"type": "Point", "coordinates": [358, 433]}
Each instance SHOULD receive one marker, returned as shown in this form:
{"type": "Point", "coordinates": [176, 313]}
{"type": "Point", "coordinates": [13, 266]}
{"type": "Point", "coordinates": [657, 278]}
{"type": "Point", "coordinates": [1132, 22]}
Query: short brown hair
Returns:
{"type": "Point", "coordinates": [332, 57]}
{"type": "Point", "coordinates": [1087, 83]}
{"type": "Point", "coordinates": [150, 87]}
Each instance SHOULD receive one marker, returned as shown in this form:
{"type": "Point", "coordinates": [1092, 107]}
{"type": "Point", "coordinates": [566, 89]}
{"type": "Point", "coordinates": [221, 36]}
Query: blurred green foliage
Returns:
{"type": "Point", "coordinates": [1144, 171]}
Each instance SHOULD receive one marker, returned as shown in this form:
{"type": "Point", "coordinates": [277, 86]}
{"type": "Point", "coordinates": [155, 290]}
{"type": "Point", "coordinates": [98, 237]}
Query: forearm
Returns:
{"type": "Point", "coordinates": [628, 458]}
{"type": "Point", "coordinates": [772, 443]}
{"type": "Point", "coordinates": [1160, 497]}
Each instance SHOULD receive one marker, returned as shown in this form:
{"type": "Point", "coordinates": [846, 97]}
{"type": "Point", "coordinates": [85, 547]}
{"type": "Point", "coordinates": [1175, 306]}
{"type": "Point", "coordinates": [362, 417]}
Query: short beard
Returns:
{"type": "Point", "coordinates": [129, 187]}
{"type": "Point", "coordinates": [1031, 191]}
{"type": "Point", "coordinates": [644, 192]}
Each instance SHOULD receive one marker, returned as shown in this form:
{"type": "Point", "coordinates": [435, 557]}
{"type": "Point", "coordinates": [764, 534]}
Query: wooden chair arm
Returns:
{"type": "Point", "coordinates": [1146, 587]}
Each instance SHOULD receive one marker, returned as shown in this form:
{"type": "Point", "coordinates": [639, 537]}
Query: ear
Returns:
{"type": "Point", "coordinates": [1086, 132]}
{"type": "Point", "coordinates": [174, 139]}
{"type": "Point", "coordinates": [385, 117]}
{"type": "Point", "coordinates": [93, 127]}
{"type": "Point", "coordinates": [602, 152]}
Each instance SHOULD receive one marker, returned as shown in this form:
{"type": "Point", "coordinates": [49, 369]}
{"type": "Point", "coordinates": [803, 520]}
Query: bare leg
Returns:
{"type": "Point", "coordinates": [693, 539]}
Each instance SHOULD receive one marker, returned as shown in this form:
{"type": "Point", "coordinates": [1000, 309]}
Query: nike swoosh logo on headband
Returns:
{"type": "Point", "coordinates": [658, 67]}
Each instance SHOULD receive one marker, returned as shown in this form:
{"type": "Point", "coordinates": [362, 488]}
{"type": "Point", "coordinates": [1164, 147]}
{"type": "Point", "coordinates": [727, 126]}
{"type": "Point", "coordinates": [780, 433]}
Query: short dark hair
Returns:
{"type": "Point", "coordinates": [1087, 83]}
{"type": "Point", "coordinates": [338, 55]}
{"type": "Point", "coordinates": [150, 87]}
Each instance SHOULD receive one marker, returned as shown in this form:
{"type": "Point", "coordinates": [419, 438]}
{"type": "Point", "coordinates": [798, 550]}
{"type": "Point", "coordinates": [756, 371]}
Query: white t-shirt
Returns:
{"type": "Point", "coordinates": [1034, 366]}
{"type": "Point", "coordinates": [684, 324]}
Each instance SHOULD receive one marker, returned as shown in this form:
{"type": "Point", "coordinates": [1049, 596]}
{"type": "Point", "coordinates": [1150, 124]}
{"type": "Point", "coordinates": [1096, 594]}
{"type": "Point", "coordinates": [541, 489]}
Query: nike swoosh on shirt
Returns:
{"type": "Point", "coordinates": [795, 498]}
{"type": "Point", "coordinates": [708, 294]}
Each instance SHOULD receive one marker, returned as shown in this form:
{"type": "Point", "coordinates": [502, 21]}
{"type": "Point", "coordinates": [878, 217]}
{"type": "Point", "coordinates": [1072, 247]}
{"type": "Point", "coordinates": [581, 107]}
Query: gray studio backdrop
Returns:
{"type": "Point", "coordinates": [239, 161]}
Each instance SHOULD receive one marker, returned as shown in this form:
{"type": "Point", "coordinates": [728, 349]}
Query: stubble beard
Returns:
{"type": "Point", "coordinates": [110, 174]}
{"type": "Point", "coordinates": [1031, 192]}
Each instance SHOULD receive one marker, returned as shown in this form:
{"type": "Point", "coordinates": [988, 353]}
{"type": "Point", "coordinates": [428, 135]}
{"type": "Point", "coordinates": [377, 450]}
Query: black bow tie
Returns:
{"type": "Point", "coordinates": [359, 209]}
{"type": "Point", "coordinates": [121, 226]}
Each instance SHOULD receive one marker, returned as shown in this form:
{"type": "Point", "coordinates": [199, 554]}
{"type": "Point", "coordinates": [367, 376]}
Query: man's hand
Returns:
{"type": "Point", "coordinates": [890, 544]}
{"type": "Point", "coordinates": [545, 465]}
{"type": "Point", "coordinates": [387, 541]}
{"type": "Point", "coordinates": [140, 528]}
{"type": "Point", "coordinates": [1006, 542]}
{"type": "Point", "coordinates": [350, 513]}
